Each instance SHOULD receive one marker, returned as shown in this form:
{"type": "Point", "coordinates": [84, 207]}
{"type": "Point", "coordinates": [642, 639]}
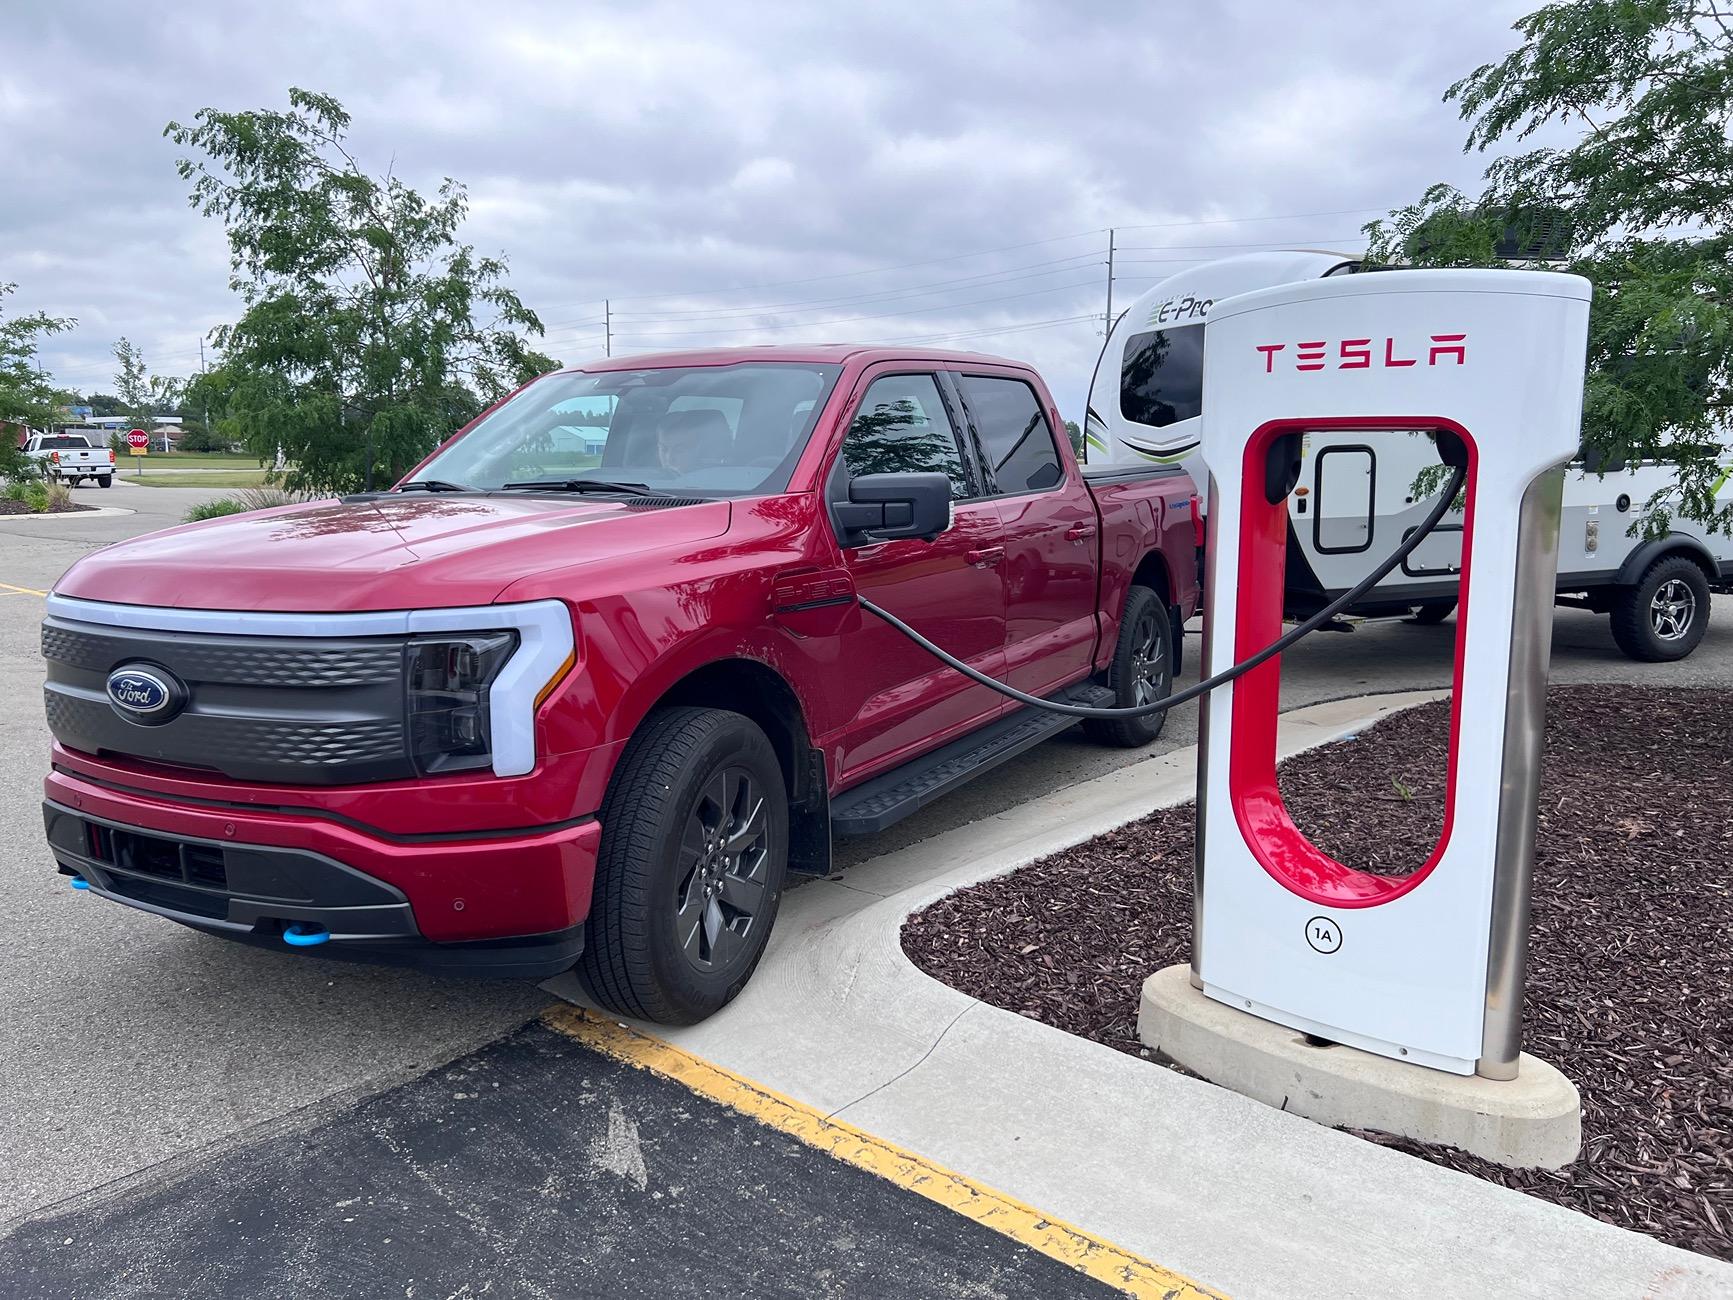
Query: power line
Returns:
{"type": "Point", "coordinates": [998, 329]}
{"type": "Point", "coordinates": [890, 315]}
{"type": "Point", "coordinates": [1058, 264]}
{"type": "Point", "coordinates": [1236, 221]}
{"type": "Point", "coordinates": [984, 252]}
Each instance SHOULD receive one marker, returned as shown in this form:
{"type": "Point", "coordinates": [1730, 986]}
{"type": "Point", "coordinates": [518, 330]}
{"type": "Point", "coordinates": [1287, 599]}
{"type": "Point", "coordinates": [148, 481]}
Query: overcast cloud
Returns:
{"type": "Point", "coordinates": [738, 173]}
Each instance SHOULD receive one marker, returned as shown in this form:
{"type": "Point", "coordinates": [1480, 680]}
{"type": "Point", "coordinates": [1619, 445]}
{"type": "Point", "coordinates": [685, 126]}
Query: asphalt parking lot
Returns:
{"type": "Point", "coordinates": [128, 1043]}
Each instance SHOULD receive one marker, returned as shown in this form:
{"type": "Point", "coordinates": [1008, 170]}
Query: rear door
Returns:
{"type": "Point", "coordinates": [900, 699]}
{"type": "Point", "coordinates": [1049, 524]}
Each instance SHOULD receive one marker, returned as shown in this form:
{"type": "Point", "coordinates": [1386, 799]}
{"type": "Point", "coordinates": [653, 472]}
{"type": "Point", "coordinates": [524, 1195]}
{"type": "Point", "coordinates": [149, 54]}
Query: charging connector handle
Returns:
{"type": "Point", "coordinates": [1348, 598]}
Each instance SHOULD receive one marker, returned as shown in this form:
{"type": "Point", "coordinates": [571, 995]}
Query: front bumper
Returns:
{"type": "Point", "coordinates": [497, 904]}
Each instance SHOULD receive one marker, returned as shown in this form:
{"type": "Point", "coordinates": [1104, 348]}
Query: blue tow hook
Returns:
{"type": "Point", "coordinates": [79, 882]}
{"type": "Point", "coordinates": [304, 934]}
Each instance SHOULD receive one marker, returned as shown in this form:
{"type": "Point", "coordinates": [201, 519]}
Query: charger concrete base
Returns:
{"type": "Point", "coordinates": [1534, 1119]}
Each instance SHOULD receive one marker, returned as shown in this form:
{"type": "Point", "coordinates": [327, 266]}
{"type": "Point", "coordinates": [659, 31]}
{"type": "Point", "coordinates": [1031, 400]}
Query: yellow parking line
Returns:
{"type": "Point", "coordinates": [10, 590]}
{"type": "Point", "coordinates": [1099, 1259]}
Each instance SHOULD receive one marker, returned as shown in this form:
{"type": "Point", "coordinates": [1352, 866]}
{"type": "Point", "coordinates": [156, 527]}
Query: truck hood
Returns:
{"type": "Point", "coordinates": [411, 552]}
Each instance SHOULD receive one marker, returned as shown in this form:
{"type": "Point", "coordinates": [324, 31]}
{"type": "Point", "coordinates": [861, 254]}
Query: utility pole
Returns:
{"type": "Point", "coordinates": [607, 328]}
{"type": "Point", "coordinates": [1109, 318]}
{"type": "Point", "coordinates": [209, 441]}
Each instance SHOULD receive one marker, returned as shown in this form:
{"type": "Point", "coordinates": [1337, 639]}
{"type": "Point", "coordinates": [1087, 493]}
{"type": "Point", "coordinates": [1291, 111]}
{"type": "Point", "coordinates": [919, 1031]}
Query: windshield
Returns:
{"type": "Point", "coordinates": [702, 430]}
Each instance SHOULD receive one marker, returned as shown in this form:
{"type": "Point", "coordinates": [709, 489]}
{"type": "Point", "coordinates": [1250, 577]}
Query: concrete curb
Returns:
{"type": "Point", "coordinates": [1221, 1188]}
{"type": "Point", "coordinates": [95, 512]}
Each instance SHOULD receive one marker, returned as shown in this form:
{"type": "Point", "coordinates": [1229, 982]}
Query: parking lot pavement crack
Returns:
{"type": "Point", "coordinates": [904, 1073]}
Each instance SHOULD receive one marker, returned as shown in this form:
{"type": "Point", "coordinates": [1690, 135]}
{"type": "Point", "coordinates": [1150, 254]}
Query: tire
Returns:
{"type": "Point", "coordinates": [1434, 612]}
{"type": "Point", "coordinates": [105, 480]}
{"type": "Point", "coordinates": [1141, 672]}
{"type": "Point", "coordinates": [1664, 615]}
{"type": "Point", "coordinates": [657, 946]}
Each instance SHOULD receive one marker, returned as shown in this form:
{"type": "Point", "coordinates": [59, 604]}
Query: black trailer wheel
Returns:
{"type": "Point", "coordinates": [1434, 612]}
{"type": "Point", "coordinates": [1664, 615]}
{"type": "Point", "coordinates": [690, 871]}
{"type": "Point", "coordinates": [1141, 672]}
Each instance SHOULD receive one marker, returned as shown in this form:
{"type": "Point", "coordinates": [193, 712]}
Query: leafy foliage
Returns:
{"type": "Point", "coordinates": [28, 396]}
{"type": "Point", "coordinates": [143, 396]}
{"type": "Point", "coordinates": [363, 343]}
{"type": "Point", "coordinates": [214, 509]}
{"type": "Point", "coordinates": [257, 498]}
{"type": "Point", "coordinates": [1645, 197]}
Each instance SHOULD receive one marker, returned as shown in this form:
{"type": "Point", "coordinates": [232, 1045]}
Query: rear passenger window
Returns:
{"type": "Point", "coordinates": [1161, 377]}
{"type": "Point", "coordinates": [1014, 433]}
{"type": "Point", "coordinates": [902, 427]}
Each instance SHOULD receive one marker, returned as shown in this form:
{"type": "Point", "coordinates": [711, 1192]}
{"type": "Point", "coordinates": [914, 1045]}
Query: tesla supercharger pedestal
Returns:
{"type": "Point", "coordinates": [1425, 968]}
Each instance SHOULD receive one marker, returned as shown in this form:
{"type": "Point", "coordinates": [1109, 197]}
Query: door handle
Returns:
{"type": "Point", "coordinates": [1077, 532]}
{"type": "Point", "coordinates": [985, 559]}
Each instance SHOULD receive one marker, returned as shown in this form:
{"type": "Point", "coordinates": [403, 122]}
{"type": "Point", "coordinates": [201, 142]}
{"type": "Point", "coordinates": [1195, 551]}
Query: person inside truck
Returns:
{"type": "Point", "coordinates": [693, 439]}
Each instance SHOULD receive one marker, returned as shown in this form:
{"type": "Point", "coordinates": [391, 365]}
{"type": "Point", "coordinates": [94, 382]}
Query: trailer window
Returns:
{"type": "Point", "coordinates": [1161, 377]}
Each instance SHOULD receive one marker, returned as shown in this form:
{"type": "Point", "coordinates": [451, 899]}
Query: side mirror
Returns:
{"type": "Point", "coordinates": [881, 507]}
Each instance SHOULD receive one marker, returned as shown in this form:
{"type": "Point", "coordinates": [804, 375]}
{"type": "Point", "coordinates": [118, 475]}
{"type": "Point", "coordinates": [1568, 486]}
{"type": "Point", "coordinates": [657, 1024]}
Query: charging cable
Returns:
{"type": "Point", "coordinates": [1281, 643]}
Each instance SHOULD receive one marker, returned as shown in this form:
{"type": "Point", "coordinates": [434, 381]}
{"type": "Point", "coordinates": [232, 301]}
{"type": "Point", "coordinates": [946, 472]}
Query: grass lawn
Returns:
{"type": "Point", "coordinates": [215, 478]}
{"type": "Point", "coordinates": [187, 459]}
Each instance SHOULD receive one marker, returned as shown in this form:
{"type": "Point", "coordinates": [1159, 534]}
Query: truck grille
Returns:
{"type": "Point", "coordinates": [306, 711]}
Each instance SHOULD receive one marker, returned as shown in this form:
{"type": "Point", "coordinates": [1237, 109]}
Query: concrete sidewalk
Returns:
{"type": "Point", "coordinates": [1240, 1197]}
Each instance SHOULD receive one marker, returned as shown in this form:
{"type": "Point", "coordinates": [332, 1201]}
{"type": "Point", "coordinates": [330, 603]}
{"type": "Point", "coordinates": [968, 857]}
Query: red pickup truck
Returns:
{"type": "Point", "coordinates": [592, 678]}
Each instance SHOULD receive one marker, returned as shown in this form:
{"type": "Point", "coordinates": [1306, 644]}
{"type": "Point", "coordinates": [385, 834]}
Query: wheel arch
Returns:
{"type": "Point", "coordinates": [1154, 572]}
{"type": "Point", "coordinates": [1659, 548]}
{"type": "Point", "coordinates": [756, 690]}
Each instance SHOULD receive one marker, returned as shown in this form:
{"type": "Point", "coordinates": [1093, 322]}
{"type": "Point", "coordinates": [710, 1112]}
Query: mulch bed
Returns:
{"type": "Point", "coordinates": [10, 507]}
{"type": "Point", "coordinates": [1630, 969]}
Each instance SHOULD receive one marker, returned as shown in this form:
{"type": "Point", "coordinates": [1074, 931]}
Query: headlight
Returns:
{"type": "Point", "coordinates": [447, 680]}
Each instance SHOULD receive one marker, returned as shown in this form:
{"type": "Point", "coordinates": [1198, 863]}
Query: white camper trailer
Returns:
{"type": "Point", "coordinates": [1355, 497]}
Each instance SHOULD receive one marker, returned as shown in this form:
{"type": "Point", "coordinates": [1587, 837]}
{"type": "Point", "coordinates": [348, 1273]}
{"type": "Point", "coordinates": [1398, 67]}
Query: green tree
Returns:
{"type": "Point", "coordinates": [370, 332]}
{"type": "Point", "coordinates": [28, 396]}
{"type": "Point", "coordinates": [105, 404]}
{"type": "Point", "coordinates": [204, 406]}
{"type": "Point", "coordinates": [143, 396]}
{"type": "Point", "coordinates": [1642, 204]}
{"type": "Point", "coordinates": [1075, 434]}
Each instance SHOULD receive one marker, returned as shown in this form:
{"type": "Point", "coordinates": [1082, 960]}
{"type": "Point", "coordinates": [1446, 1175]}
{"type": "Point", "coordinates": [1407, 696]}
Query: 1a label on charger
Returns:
{"type": "Point", "coordinates": [1323, 934]}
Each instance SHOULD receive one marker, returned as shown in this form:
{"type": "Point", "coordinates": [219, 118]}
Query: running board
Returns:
{"type": "Point", "coordinates": [886, 800]}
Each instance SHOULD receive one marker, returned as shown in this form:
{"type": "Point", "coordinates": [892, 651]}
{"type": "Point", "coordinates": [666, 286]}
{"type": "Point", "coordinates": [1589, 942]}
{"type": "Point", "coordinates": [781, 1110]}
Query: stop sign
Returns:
{"type": "Point", "coordinates": [138, 439]}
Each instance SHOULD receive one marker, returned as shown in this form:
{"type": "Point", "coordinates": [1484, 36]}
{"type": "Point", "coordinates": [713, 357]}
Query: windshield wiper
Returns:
{"type": "Point", "coordinates": [578, 485]}
{"type": "Point", "coordinates": [433, 485]}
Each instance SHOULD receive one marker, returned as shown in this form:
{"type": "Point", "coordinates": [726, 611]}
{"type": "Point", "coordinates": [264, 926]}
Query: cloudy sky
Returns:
{"type": "Point", "coordinates": [903, 170]}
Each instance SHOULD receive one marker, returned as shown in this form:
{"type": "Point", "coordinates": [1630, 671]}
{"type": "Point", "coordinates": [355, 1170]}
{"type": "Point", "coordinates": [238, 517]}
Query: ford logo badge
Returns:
{"type": "Point", "coordinates": [145, 695]}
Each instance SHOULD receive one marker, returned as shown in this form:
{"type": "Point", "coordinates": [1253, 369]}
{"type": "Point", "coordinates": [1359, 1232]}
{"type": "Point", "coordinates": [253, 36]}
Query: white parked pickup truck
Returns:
{"type": "Point", "coordinates": [69, 458]}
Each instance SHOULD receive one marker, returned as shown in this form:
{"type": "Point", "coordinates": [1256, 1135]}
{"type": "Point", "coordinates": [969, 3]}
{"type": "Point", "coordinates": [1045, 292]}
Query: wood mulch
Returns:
{"type": "Point", "coordinates": [10, 507]}
{"type": "Point", "coordinates": [1630, 969]}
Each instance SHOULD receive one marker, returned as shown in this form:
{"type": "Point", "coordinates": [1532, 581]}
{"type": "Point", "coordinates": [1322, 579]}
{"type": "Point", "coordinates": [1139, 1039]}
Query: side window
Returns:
{"type": "Point", "coordinates": [1161, 377]}
{"type": "Point", "coordinates": [1014, 433]}
{"type": "Point", "coordinates": [902, 427]}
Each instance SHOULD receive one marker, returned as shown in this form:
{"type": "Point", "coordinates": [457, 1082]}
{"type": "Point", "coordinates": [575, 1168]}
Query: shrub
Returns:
{"type": "Point", "coordinates": [36, 497]}
{"type": "Point", "coordinates": [56, 496]}
{"type": "Point", "coordinates": [215, 509]}
{"type": "Point", "coordinates": [268, 498]}
{"type": "Point", "coordinates": [15, 491]}
{"type": "Point", "coordinates": [244, 500]}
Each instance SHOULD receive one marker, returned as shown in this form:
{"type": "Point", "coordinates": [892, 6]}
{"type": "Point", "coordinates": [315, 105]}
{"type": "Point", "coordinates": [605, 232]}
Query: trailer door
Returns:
{"type": "Point", "coordinates": [1344, 479]}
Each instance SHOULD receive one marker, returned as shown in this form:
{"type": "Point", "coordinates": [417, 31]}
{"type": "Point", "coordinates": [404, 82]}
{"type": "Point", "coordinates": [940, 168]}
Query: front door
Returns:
{"type": "Point", "coordinates": [902, 700]}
